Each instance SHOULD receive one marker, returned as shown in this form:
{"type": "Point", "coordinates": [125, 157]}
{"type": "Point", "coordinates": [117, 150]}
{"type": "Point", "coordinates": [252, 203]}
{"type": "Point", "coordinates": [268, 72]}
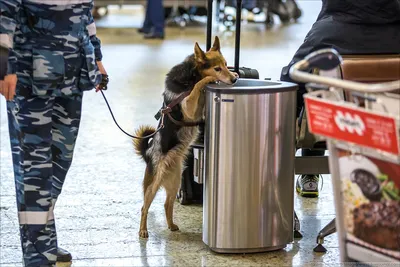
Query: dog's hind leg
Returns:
{"type": "Point", "coordinates": [148, 179]}
{"type": "Point", "coordinates": [171, 185]}
{"type": "Point", "coordinates": [149, 195]}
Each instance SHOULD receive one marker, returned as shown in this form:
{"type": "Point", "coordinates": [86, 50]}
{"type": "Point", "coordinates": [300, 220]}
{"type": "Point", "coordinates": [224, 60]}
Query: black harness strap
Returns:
{"type": "Point", "coordinates": [168, 109]}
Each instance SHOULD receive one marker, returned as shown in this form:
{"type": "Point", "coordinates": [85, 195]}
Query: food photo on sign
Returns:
{"type": "Point", "coordinates": [371, 202]}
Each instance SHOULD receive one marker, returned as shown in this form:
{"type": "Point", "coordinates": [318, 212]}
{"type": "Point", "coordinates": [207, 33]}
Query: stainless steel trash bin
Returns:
{"type": "Point", "coordinates": [249, 166]}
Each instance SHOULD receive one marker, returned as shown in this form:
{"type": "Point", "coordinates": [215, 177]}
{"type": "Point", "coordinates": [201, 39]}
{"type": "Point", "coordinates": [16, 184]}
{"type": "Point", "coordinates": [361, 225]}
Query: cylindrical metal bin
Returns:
{"type": "Point", "coordinates": [249, 166]}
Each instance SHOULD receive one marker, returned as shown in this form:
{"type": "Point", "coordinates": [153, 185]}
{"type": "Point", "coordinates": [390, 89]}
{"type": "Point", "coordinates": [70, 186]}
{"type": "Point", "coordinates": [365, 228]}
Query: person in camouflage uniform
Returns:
{"type": "Point", "coordinates": [54, 56]}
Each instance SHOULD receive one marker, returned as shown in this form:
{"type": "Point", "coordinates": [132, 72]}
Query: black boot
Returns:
{"type": "Point", "coordinates": [63, 255]}
{"type": "Point", "coordinates": [154, 35]}
{"type": "Point", "coordinates": [143, 30]}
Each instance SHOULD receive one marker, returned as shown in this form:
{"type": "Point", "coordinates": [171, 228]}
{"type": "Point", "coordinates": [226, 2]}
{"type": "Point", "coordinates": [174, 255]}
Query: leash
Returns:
{"type": "Point", "coordinates": [161, 114]}
{"type": "Point", "coordinates": [130, 135]}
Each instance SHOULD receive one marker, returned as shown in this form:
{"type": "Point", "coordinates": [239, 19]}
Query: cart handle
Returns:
{"type": "Point", "coordinates": [325, 58]}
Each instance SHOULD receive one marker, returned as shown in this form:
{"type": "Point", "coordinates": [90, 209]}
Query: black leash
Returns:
{"type": "Point", "coordinates": [130, 135]}
{"type": "Point", "coordinates": [103, 86]}
{"type": "Point", "coordinates": [160, 114]}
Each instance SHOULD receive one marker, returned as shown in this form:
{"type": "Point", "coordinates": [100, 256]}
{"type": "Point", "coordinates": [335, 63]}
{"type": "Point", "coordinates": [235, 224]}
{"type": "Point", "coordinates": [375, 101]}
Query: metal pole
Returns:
{"type": "Point", "coordinates": [237, 40]}
{"type": "Point", "coordinates": [209, 23]}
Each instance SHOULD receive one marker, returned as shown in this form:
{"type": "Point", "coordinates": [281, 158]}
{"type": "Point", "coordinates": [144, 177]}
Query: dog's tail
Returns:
{"type": "Point", "coordinates": [142, 145]}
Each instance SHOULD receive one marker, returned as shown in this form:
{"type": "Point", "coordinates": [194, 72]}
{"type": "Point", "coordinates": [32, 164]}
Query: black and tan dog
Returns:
{"type": "Point", "coordinates": [166, 152]}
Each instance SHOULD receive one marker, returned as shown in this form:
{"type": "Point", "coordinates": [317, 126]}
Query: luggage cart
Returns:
{"type": "Point", "coordinates": [364, 157]}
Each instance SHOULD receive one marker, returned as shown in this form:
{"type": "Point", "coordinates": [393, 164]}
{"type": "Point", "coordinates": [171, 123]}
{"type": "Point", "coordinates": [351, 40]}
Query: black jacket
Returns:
{"type": "Point", "coordinates": [351, 27]}
{"type": "Point", "coordinates": [372, 12]}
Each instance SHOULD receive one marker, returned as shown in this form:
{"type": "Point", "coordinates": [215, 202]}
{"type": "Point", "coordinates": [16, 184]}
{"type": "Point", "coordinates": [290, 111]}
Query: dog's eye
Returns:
{"type": "Point", "coordinates": [217, 69]}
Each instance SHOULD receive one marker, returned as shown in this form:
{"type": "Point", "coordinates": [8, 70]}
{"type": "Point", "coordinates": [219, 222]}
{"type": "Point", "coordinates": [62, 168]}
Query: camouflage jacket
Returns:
{"type": "Point", "coordinates": [53, 45]}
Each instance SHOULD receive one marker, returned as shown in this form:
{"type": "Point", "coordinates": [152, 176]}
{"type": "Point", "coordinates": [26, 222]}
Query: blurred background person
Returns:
{"type": "Point", "coordinates": [154, 22]}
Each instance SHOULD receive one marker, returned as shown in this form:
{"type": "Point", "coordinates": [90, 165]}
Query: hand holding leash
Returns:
{"type": "Point", "coordinates": [103, 84]}
{"type": "Point", "coordinates": [104, 80]}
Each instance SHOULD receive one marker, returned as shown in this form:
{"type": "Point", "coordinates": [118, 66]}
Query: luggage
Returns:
{"type": "Point", "coordinates": [191, 190]}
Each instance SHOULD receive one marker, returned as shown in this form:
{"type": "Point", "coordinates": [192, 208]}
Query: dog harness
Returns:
{"type": "Point", "coordinates": [166, 110]}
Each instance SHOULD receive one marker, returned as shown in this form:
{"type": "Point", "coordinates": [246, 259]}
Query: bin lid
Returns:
{"type": "Point", "coordinates": [252, 86]}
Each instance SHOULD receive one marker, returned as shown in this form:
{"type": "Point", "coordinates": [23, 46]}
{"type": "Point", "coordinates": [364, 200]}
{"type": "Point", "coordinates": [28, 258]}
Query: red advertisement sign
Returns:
{"type": "Point", "coordinates": [357, 126]}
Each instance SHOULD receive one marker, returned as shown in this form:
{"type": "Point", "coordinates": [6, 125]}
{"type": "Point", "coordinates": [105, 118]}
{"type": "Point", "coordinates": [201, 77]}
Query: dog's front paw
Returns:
{"type": "Point", "coordinates": [210, 79]}
{"type": "Point", "coordinates": [173, 227]}
{"type": "Point", "coordinates": [143, 234]}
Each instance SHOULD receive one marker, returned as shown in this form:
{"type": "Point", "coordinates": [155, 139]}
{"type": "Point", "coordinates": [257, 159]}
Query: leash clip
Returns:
{"type": "Point", "coordinates": [166, 110]}
{"type": "Point", "coordinates": [162, 112]}
{"type": "Point", "coordinates": [162, 121]}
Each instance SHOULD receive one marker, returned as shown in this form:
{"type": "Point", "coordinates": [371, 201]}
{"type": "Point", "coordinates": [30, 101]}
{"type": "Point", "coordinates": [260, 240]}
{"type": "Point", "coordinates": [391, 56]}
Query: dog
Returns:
{"type": "Point", "coordinates": [165, 153]}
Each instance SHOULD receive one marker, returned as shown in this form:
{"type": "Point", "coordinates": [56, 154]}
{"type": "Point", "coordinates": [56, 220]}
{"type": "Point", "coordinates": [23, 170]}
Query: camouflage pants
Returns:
{"type": "Point", "coordinates": [43, 131]}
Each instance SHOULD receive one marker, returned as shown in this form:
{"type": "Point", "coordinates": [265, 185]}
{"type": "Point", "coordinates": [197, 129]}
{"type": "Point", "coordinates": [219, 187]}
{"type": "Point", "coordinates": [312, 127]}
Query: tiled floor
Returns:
{"type": "Point", "coordinates": [98, 213]}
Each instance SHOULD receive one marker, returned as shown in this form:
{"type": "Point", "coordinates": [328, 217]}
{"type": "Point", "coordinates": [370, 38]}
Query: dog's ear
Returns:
{"type": "Point", "coordinates": [199, 55]}
{"type": "Point", "coordinates": [216, 46]}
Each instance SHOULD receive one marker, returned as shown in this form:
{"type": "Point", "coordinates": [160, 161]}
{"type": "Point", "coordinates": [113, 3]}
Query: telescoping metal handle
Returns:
{"type": "Point", "coordinates": [327, 59]}
{"type": "Point", "coordinates": [239, 4]}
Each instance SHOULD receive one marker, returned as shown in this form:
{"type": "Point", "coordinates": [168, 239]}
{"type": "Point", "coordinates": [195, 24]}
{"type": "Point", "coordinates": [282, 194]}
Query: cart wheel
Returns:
{"type": "Point", "coordinates": [105, 11]}
{"type": "Point", "coordinates": [297, 234]}
{"type": "Point", "coordinates": [183, 197]}
{"type": "Point", "coordinates": [269, 21]}
{"type": "Point", "coordinates": [228, 20]}
{"type": "Point", "coordinates": [99, 12]}
{"type": "Point", "coordinates": [320, 248]}
{"type": "Point", "coordinates": [95, 13]}
{"type": "Point", "coordinates": [182, 23]}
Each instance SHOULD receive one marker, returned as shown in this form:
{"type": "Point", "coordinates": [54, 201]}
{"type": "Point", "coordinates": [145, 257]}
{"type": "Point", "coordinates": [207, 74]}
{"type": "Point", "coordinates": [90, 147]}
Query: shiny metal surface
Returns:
{"type": "Point", "coordinates": [198, 168]}
{"type": "Point", "coordinates": [248, 250]}
{"type": "Point", "coordinates": [249, 168]}
{"type": "Point", "coordinates": [329, 229]}
{"type": "Point", "coordinates": [250, 86]}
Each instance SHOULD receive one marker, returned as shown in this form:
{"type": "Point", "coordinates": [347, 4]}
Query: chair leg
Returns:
{"type": "Point", "coordinates": [297, 233]}
{"type": "Point", "coordinates": [329, 229]}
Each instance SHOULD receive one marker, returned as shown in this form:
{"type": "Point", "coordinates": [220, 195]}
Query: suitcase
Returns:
{"type": "Point", "coordinates": [191, 190]}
